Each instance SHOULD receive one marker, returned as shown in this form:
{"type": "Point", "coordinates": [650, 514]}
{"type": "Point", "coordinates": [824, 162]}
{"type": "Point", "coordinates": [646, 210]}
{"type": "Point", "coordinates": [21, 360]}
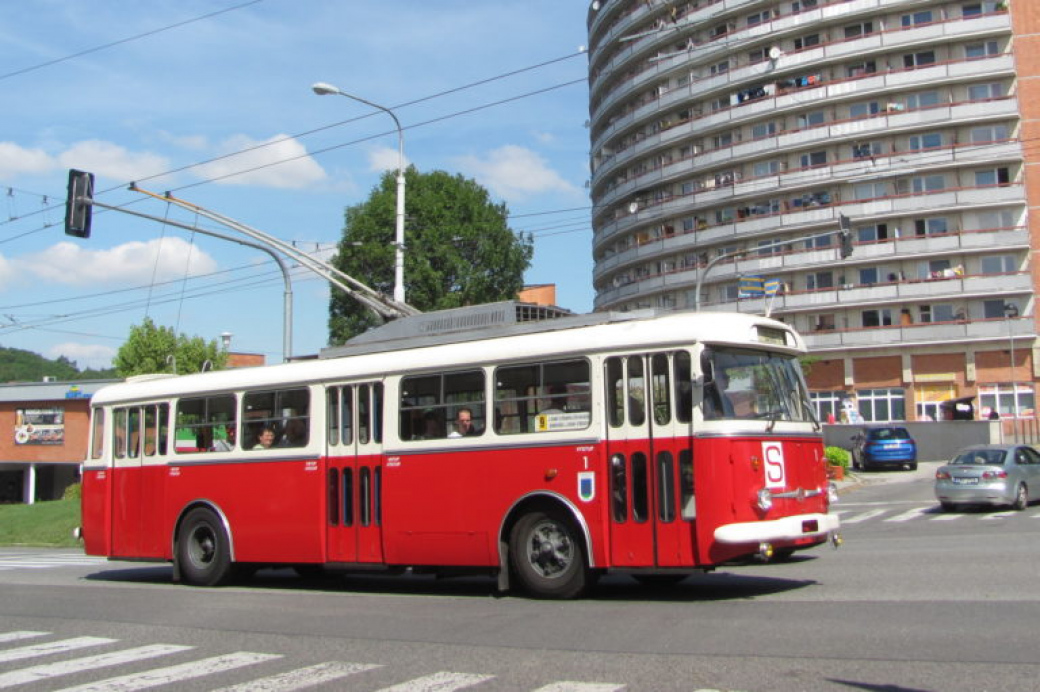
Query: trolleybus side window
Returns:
{"type": "Point", "coordinates": [285, 412]}
{"type": "Point", "coordinates": [545, 397]}
{"type": "Point", "coordinates": [98, 438]}
{"type": "Point", "coordinates": [431, 403]}
{"type": "Point", "coordinates": [683, 387]}
{"type": "Point", "coordinates": [636, 391]}
{"type": "Point", "coordinates": [659, 378]}
{"type": "Point", "coordinates": [615, 392]}
{"type": "Point", "coordinates": [119, 433]}
{"type": "Point", "coordinates": [619, 488]}
{"type": "Point", "coordinates": [197, 420]}
{"type": "Point", "coordinates": [340, 415]}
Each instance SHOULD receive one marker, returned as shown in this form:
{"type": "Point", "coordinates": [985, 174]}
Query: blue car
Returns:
{"type": "Point", "coordinates": [883, 447]}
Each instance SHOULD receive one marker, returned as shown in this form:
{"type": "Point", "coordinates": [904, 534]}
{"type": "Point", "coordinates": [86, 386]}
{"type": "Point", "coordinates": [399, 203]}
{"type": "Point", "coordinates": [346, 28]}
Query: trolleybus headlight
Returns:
{"type": "Point", "coordinates": [765, 551]}
{"type": "Point", "coordinates": [765, 499]}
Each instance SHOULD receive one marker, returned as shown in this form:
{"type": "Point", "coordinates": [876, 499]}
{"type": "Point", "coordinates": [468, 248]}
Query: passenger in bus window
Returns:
{"type": "Point", "coordinates": [716, 400]}
{"type": "Point", "coordinates": [295, 433]}
{"type": "Point", "coordinates": [464, 424]}
{"type": "Point", "coordinates": [228, 443]}
{"type": "Point", "coordinates": [265, 439]}
{"type": "Point", "coordinates": [432, 428]}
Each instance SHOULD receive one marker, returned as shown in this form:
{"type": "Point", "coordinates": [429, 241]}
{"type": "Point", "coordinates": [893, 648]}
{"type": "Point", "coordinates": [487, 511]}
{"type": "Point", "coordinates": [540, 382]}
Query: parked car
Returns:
{"type": "Point", "coordinates": [990, 475]}
{"type": "Point", "coordinates": [887, 445]}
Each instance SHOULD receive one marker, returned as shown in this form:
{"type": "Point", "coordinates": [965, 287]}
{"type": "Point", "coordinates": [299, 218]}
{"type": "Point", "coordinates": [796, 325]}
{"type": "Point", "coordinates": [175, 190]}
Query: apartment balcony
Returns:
{"type": "Point", "coordinates": [920, 334]}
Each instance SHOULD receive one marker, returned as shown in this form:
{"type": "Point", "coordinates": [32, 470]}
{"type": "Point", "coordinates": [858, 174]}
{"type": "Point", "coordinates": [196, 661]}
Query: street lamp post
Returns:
{"type": "Point", "coordinates": [1010, 313]}
{"type": "Point", "coordinates": [323, 89]}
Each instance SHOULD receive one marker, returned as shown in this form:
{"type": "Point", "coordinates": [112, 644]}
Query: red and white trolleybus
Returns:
{"type": "Point", "coordinates": [651, 443]}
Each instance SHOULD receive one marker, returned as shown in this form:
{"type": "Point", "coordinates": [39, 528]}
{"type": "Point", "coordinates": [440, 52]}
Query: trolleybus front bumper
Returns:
{"type": "Point", "coordinates": [783, 529]}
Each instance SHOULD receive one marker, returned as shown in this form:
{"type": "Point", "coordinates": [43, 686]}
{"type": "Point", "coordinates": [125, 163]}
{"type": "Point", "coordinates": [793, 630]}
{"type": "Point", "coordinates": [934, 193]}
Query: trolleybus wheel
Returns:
{"type": "Point", "coordinates": [547, 554]}
{"type": "Point", "coordinates": [203, 549]}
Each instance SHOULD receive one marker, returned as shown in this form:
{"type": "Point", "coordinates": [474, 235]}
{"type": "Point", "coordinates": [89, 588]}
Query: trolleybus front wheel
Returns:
{"type": "Point", "coordinates": [203, 550]}
{"type": "Point", "coordinates": [547, 555]}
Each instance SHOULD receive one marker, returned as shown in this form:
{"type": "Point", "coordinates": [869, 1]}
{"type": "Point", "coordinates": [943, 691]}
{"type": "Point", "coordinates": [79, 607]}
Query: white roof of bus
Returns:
{"type": "Point", "coordinates": [660, 331]}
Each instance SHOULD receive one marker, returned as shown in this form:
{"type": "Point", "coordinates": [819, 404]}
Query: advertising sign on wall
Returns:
{"type": "Point", "coordinates": [39, 426]}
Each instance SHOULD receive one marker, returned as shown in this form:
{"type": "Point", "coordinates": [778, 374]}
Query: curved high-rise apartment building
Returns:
{"type": "Point", "coordinates": [729, 137]}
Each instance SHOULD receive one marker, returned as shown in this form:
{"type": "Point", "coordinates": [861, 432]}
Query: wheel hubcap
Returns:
{"type": "Point", "coordinates": [550, 550]}
{"type": "Point", "coordinates": [203, 546]}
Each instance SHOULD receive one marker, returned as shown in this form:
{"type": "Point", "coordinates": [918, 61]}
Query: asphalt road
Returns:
{"type": "Point", "coordinates": [915, 600]}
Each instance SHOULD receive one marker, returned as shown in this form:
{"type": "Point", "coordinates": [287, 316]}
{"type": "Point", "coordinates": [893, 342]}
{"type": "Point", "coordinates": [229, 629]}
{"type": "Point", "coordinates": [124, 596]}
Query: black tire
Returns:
{"type": "Point", "coordinates": [913, 465]}
{"type": "Point", "coordinates": [547, 555]}
{"type": "Point", "coordinates": [1021, 498]}
{"type": "Point", "coordinates": [203, 549]}
{"type": "Point", "coordinates": [947, 506]}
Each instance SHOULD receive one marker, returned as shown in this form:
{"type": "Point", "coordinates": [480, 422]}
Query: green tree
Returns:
{"type": "Point", "coordinates": [459, 249]}
{"type": "Point", "coordinates": [149, 348]}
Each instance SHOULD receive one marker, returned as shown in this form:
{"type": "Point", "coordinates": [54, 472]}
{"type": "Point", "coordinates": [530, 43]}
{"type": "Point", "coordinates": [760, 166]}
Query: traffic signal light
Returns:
{"type": "Point", "coordinates": [846, 236]}
{"type": "Point", "coordinates": [79, 203]}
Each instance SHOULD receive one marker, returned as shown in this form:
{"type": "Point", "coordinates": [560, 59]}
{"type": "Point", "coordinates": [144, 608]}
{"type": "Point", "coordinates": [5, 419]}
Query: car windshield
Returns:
{"type": "Point", "coordinates": [979, 457]}
{"type": "Point", "coordinates": [889, 434]}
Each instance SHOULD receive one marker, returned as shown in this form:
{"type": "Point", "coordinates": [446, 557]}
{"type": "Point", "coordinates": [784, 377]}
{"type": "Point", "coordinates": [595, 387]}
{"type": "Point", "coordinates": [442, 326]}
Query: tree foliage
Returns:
{"type": "Point", "coordinates": [459, 249]}
{"type": "Point", "coordinates": [149, 348]}
{"type": "Point", "coordinates": [18, 365]}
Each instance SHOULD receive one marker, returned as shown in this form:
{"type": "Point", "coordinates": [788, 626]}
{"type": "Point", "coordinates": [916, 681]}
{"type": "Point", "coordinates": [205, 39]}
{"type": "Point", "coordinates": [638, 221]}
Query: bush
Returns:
{"type": "Point", "coordinates": [836, 456]}
{"type": "Point", "coordinates": [73, 492]}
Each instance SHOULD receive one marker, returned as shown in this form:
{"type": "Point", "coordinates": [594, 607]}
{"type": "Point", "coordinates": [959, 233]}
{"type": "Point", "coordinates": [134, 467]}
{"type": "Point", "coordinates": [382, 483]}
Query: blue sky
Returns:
{"type": "Point", "coordinates": [147, 91]}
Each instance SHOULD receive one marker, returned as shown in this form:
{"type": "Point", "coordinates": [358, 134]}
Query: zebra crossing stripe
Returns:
{"type": "Point", "coordinates": [19, 635]}
{"type": "Point", "coordinates": [909, 514]}
{"type": "Point", "coordinates": [52, 648]}
{"type": "Point", "coordinates": [998, 515]}
{"type": "Point", "coordinates": [438, 682]}
{"type": "Point", "coordinates": [566, 686]}
{"type": "Point", "coordinates": [302, 678]}
{"type": "Point", "coordinates": [948, 516]}
{"type": "Point", "coordinates": [173, 674]}
{"type": "Point", "coordinates": [77, 665]}
{"type": "Point", "coordinates": [864, 516]}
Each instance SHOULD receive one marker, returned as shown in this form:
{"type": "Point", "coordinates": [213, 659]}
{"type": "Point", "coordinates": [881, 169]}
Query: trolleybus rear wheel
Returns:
{"type": "Point", "coordinates": [548, 556]}
{"type": "Point", "coordinates": [203, 549]}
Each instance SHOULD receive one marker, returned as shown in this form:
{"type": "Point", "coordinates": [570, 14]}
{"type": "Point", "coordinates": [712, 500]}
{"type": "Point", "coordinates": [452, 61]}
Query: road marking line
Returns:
{"type": "Point", "coordinates": [302, 677]}
{"type": "Point", "coordinates": [869, 514]}
{"type": "Point", "coordinates": [77, 665]}
{"type": "Point", "coordinates": [19, 635]}
{"type": "Point", "coordinates": [172, 674]}
{"type": "Point", "coordinates": [910, 514]}
{"type": "Point", "coordinates": [998, 515]}
{"type": "Point", "coordinates": [566, 686]}
{"type": "Point", "coordinates": [948, 516]}
{"type": "Point", "coordinates": [438, 682]}
{"type": "Point", "coordinates": [52, 648]}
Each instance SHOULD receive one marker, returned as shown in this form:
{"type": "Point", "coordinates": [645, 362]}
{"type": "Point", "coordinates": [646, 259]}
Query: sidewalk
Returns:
{"type": "Point", "coordinates": [925, 469]}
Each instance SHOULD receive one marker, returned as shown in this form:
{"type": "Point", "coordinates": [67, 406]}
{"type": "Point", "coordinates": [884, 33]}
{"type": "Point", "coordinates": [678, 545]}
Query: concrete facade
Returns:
{"type": "Point", "coordinates": [733, 135]}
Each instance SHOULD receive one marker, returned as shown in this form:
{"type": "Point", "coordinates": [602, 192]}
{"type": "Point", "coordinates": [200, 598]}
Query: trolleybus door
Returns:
{"type": "Point", "coordinates": [651, 466]}
{"type": "Point", "coordinates": [354, 472]}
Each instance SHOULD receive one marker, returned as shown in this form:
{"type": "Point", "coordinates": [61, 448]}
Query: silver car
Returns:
{"type": "Point", "coordinates": [990, 475]}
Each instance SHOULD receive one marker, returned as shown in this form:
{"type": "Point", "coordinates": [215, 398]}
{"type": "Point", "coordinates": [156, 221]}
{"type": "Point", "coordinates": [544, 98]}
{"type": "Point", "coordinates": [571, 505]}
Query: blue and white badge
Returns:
{"type": "Point", "coordinates": [587, 486]}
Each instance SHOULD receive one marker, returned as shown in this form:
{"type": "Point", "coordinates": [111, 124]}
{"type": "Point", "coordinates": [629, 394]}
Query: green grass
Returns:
{"type": "Point", "coordinates": [47, 524]}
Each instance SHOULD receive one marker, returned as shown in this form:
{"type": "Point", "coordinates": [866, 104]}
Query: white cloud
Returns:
{"type": "Point", "coordinates": [112, 160]}
{"type": "Point", "coordinates": [279, 161]}
{"type": "Point", "coordinates": [133, 262]}
{"type": "Point", "coordinates": [384, 159]}
{"type": "Point", "coordinates": [7, 271]}
{"type": "Point", "coordinates": [515, 173]}
{"type": "Point", "coordinates": [84, 355]}
{"type": "Point", "coordinates": [16, 160]}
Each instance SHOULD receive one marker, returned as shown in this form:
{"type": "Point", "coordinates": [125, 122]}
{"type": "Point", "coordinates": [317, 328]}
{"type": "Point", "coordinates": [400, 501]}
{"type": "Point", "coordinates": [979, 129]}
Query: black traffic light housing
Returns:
{"type": "Point", "coordinates": [846, 235]}
{"type": "Point", "coordinates": [79, 203]}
